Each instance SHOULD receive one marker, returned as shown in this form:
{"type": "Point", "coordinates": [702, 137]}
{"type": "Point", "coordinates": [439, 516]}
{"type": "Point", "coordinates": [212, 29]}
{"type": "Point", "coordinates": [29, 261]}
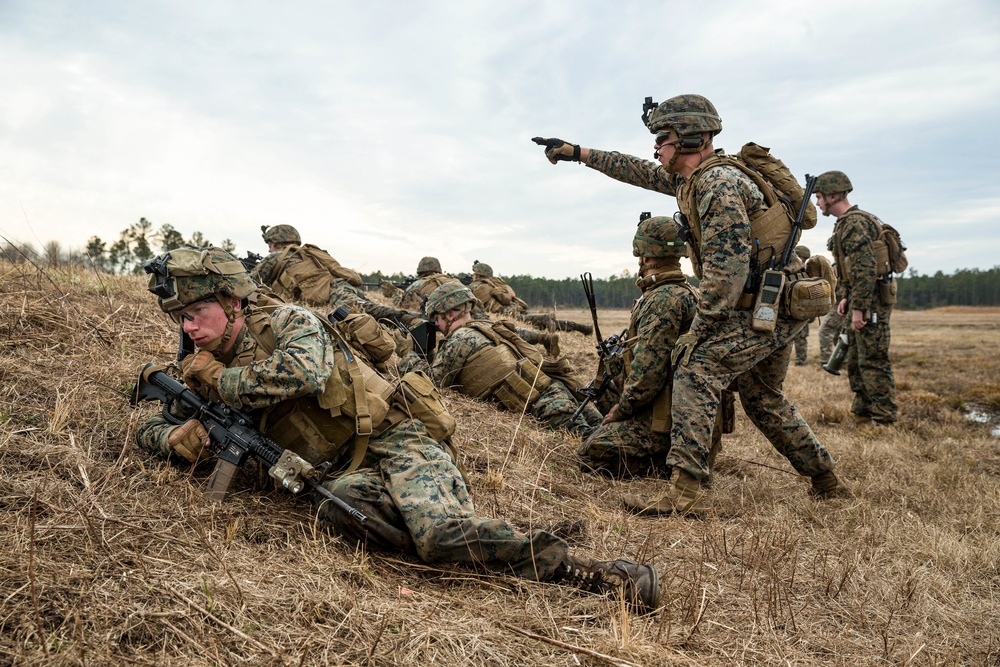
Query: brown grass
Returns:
{"type": "Point", "coordinates": [111, 558]}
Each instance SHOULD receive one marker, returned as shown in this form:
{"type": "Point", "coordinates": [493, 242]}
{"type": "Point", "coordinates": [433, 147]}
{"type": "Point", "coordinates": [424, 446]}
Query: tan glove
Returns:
{"type": "Point", "coordinates": [201, 370]}
{"type": "Point", "coordinates": [557, 149]}
{"type": "Point", "coordinates": [682, 349]}
{"type": "Point", "coordinates": [388, 289]}
{"type": "Point", "coordinates": [189, 440]}
{"type": "Point", "coordinates": [404, 342]}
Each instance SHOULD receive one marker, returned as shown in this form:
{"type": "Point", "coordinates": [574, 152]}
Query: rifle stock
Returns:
{"type": "Point", "coordinates": [235, 440]}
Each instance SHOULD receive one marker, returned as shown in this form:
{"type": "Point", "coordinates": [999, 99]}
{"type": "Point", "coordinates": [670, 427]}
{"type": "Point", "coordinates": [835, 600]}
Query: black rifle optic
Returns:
{"type": "Point", "coordinates": [608, 350]}
{"type": "Point", "coordinates": [234, 439]}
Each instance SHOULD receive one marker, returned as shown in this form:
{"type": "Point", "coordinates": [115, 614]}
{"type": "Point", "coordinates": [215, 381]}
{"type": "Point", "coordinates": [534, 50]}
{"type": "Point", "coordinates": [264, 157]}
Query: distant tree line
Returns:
{"type": "Point", "coordinates": [140, 241]}
{"type": "Point", "coordinates": [135, 244]}
{"type": "Point", "coordinates": [965, 287]}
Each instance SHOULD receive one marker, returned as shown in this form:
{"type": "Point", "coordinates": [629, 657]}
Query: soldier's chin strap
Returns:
{"type": "Point", "coordinates": [231, 315]}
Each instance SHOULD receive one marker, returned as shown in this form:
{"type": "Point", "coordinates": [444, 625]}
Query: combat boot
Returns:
{"type": "Point", "coordinates": [640, 584]}
{"type": "Point", "coordinates": [585, 329]}
{"type": "Point", "coordinates": [686, 496]}
{"type": "Point", "coordinates": [826, 486]}
{"type": "Point", "coordinates": [551, 343]}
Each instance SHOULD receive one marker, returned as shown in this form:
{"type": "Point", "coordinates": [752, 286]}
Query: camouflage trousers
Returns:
{"type": "Point", "coordinates": [416, 502]}
{"type": "Point", "coordinates": [758, 363]}
{"type": "Point", "coordinates": [801, 343]}
{"type": "Point", "coordinates": [829, 330]}
{"type": "Point", "coordinates": [869, 371]}
{"type": "Point", "coordinates": [556, 406]}
{"type": "Point", "coordinates": [630, 448]}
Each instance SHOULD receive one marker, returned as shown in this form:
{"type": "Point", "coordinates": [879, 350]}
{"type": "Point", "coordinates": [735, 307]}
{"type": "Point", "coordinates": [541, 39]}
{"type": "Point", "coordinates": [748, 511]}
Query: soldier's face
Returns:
{"type": "Point", "coordinates": [824, 202]}
{"type": "Point", "coordinates": [663, 150]}
{"type": "Point", "coordinates": [205, 321]}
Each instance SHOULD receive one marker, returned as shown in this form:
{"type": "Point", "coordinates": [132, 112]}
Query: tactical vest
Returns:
{"type": "Point", "coordinates": [413, 297]}
{"type": "Point", "coordinates": [770, 227]}
{"type": "Point", "coordinates": [304, 274]}
{"type": "Point", "coordinates": [355, 402]}
{"type": "Point", "coordinates": [662, 402]}
{"type": "Point", "coordinates": [888, 260]}
{"type": "Point", "coordinates": [496, 296]}
{"type": "Point", "coordinates": [509, 369]}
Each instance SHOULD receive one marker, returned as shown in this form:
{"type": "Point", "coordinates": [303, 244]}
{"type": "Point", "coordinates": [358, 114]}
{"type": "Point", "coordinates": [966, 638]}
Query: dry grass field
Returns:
{"type": "Point", "coordinates": [111, 558]}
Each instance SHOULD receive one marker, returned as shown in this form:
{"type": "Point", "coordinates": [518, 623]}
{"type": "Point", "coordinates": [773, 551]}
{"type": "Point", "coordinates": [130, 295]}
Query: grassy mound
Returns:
{"type": "Point", "coordinates": [112, 558]}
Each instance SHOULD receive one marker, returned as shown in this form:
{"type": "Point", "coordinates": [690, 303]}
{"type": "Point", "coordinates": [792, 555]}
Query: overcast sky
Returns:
{"type": "Point", "coordinates": [385, 131]}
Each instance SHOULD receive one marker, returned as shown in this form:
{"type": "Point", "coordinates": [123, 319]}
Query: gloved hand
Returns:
{"type": "Point", "coordinates": [557, 149]}
{"type": "Point", "coordinates": [201, 370]}
{"type": "Point", "coordinates": [387, 289]}
{"type": "Point", "coordinates": [683, 348]}
{"type": "Point", "coordinates": [189, 440]}
{"type": "Point", "coordinates": [404, 342]}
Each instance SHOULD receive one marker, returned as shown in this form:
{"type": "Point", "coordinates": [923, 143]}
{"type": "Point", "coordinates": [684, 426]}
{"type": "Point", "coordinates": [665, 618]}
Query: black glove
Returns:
{"type": "Point", "coordinates": [557, 149]}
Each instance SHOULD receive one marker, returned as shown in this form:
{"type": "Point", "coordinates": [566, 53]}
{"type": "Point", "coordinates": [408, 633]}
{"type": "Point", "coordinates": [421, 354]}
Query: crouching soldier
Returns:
{"type": "Point", "coordinates": [634, 437]}
{"type": "Point", "coordinates": [315, 396]}
{"type": "Point", "coordinates": [488, 360]}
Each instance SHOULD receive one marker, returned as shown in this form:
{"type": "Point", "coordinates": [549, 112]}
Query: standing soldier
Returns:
{"type": "Point", "coordinates": [498, 297]}
{"type": "Point", "coordinates": [321, 401]}
{"type": "Point", "coordinates": [489, 360]}
{"type": "Point", "coordinates": [720, 202]}
{"type": "Point", "coordinates": [854, 234]}
{"type": "Point", "coordinates": [634, 437]}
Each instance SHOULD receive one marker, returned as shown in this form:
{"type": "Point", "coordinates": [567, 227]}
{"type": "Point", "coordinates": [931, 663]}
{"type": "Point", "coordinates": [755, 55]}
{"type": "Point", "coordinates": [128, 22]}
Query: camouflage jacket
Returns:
{"type": "Point", "coordinates": [413, 297]}
{"type": "Point", "coordinates": [450, 356]}
{"type": "Point", "coordinates": [300, 365]}
{"type": "Point", "coordinates": [726, 199]}
{"type": "Point", "coordinates": [658, 318]}
{"type": "Point", "coordinates": [853, 234]}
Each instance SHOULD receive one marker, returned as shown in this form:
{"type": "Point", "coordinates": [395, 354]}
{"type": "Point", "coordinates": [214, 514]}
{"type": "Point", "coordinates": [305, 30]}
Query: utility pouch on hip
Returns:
{"type": "Point", "coordinates": [887, 291]}
{"type": "Point", "coordinates": [662, 406]}
{"type": "Point", "coordinates": [516, 394]}
{"type": "Point", "coordinates": [807, 298]}
{"type": "Point", "coordinates": [420, 399]}
{"type": "Point", "coordinates": [727, 411]}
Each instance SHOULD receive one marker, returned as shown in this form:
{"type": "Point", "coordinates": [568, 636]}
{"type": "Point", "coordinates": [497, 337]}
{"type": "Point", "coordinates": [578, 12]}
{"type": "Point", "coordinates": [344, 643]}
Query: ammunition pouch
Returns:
{"type": "Point", "coordinates": [520, 390]}
{"type": "Point", "coordinates": [419, 399]}
{"type": "Point", "coordinates": [363, 332]}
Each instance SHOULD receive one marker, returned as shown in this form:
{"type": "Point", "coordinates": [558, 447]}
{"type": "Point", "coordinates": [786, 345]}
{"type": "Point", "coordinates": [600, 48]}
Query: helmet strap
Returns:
{"type": "Point", "coordinates": [231, 316]}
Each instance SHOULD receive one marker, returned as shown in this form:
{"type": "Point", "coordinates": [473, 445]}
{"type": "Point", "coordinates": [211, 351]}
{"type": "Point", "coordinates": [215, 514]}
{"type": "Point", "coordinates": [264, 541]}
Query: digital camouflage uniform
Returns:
{"type": "Point", "coordinates": [801, 341]}
{"type": "Point", "coordinates": [554, 407]}
{"type": "Point", "coordinates": [728, 348]}
{"type": "Point", "coordinates": [630, 447]}
{"type": "Point", "coordinates": [869, 369]}
{"type": "Point", "coordinates": [408, 486]}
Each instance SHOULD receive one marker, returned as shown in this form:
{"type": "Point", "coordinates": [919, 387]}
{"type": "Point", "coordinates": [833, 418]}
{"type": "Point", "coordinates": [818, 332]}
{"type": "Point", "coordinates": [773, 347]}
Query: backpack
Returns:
{"type": "Point", "coordinates": [783, 197]}
{"type": "Point", "coordinates": [890, 252]}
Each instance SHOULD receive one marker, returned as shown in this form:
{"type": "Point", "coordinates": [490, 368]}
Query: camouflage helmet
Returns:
{"type": "Point", "coordinates": [280, 234]}
{"type": "Point", "coordinates": [830, 182]}
{"type": "Point", "coordinates": [658, 237]}
{"type": "Point", "coordinates": [484, 270]}
{"type": "Point", "coordinates": [186, 275]}
{"type": "Point", "coordinates": [803, 252]}
{"type": "Point", "coordinates": [447, 296]}
{"type": "Point", "coordinates": [686, 115]}
{"type": "Point", "coordinates": [428, 265]}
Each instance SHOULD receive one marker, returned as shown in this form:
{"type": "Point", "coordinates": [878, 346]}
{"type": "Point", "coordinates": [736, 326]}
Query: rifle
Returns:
{"type": "Point", "coordinates": [608, 350]}
{"type": "Point", "coordinates": [251, 261]}
{"type": "Point", "coordinates": [185, 345]}
{"type": "Point", "coordinates": [401, 284]}
{"type": "Point", "coordinates": [465, 278]}
{"type": "Point", "coordinates": [786, 256]}
{"type": "Point", "coordinates": [235, 439]}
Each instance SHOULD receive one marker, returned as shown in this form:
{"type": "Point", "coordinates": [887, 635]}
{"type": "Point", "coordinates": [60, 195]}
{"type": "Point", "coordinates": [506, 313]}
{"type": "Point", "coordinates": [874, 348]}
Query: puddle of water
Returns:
{"type": "Point", "coordinates": [981, 415]}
